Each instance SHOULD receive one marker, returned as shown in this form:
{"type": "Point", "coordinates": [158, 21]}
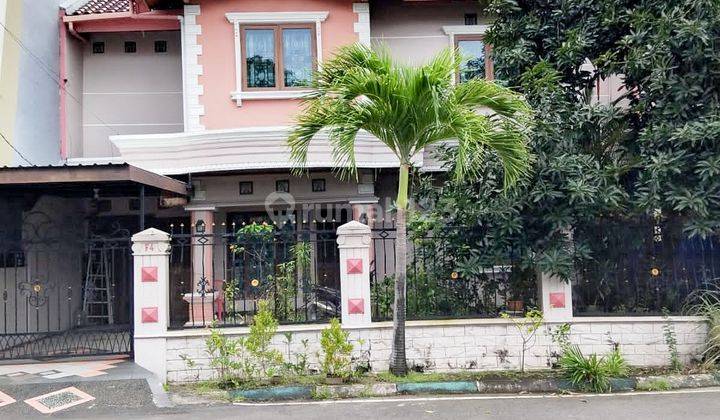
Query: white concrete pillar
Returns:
{"type": "Point", "coordinates": [364, 211]}
{"type": "Point", "coordinates": [202, 226]}
{"type": "Point", "coordinates": [151, 308]}
{"type": "Point", "coordinates": [555, 295]}
{"type": "Point", "coordinates": [353, 240]}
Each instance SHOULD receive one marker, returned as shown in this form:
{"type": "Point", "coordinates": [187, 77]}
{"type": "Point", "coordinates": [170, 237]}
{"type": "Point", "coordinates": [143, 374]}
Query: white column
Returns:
{"type": "Point", "coordinates": [362, 26]}
{"type": "Point", "coordinates": [555, 297]}
{"type": "Point", "coordinates": [353, 240]}
{"type": "Point", "coordinates": [151, 309]}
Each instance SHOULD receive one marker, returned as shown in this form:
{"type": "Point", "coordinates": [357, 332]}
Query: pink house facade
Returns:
{"type": "Point", "coordinates": [206, 92]}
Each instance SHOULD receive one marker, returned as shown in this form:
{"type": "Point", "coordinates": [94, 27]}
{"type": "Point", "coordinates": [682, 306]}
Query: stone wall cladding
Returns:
{"type": "Point", "coordinates": [462, 344]}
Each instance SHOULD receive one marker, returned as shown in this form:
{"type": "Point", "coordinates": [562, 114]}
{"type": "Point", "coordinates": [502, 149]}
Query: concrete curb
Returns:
{"type": "Point", "coordinates": [273, 393]}
{"type": "Point", "coordinates": [459, 387]}
{"type": "Point", "coordinates": [485, 386]}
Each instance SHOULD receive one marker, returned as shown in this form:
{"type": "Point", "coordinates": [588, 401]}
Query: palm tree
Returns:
{"type": "Point", "coordinates": [407, 109]}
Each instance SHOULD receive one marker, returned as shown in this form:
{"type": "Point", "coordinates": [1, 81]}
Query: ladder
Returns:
{"type": "Point", "coordinates": [97, 290]}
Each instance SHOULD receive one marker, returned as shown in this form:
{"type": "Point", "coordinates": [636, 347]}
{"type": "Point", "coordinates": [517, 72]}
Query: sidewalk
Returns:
{"type": "Point", "coordinates": [77, 387]}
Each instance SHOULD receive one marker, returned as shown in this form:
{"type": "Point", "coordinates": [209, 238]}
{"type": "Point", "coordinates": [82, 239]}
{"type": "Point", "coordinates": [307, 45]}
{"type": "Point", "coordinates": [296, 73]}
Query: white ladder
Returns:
{"type": "Point", "coordinates": [97, 296]}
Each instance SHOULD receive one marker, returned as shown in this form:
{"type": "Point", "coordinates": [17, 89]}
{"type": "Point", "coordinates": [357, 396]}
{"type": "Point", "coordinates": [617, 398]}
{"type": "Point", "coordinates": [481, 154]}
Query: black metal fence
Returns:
{"type": "Point", "coordinates": [636, 268]}
{"type": "Point", "coordinates": [219, 278]}
{"type": "Point", "coordinates": [447, 277]}
{"type": "Point", "coordinates": [641, 267]}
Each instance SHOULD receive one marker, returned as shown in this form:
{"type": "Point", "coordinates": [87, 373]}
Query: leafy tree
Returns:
{"type": "Point", "coordinates": [651, 153]}
{"type": "Point", "coordinates": [407, 109]}
{"type": "Point", "coordinates": [670, 62]}
{"type": "Point", "coordinates": [668, 56]}
{"type": "Point", "coordinates": [580, 162]}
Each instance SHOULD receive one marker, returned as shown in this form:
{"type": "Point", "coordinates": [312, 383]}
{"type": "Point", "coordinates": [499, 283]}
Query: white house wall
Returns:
{"type": "Point", "coordinates": [130, 93]}
{"type": "Point", "coordinates": [466, 344]}
{"type": "Point", "coordinates": [414, 32]}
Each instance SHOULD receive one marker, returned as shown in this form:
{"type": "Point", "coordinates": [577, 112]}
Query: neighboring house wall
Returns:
{"type": "Point", "coordinates": [452, 345]}
{"type": "Point", "coordinates": [217, 40]}
{"type": "Point", "coordinates": [29, 82]}
{"type": "Point", "coordinates": [414, 32]}
{"type": "Point", "coordinates": [130, 93]}
{"type": "Point", "coordinates": [73, 95]}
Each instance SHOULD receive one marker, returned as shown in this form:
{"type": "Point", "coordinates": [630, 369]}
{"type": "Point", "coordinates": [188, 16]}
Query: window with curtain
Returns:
{"type": "Point", "coordinates": [279, 56]}
{"type": "Point", "coordinates": [260, 58]}
{"type": "Point", "coordinates": [475, 55]}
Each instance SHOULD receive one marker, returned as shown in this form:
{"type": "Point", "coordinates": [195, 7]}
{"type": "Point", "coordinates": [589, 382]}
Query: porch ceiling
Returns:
{"type": "Point", "coordinates": [73, 179]}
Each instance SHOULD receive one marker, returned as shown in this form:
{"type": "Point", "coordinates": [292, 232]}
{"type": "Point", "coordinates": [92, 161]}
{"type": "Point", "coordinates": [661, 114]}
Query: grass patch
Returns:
{"type": "Point", "coordinates": [465, 376]}
{"type": "Point", "coordinates": [320, 393]}
{"type": "Point", "coordinates": [655, 385]}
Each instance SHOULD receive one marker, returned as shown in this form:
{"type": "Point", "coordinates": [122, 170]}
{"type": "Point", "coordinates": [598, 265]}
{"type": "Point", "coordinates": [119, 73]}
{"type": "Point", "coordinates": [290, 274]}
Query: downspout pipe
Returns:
{"type": "Point", "coordinates": [73, 32]}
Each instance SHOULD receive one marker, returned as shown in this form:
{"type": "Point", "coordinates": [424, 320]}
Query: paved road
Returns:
{"type": "Point", "coordinates": [685, 405]}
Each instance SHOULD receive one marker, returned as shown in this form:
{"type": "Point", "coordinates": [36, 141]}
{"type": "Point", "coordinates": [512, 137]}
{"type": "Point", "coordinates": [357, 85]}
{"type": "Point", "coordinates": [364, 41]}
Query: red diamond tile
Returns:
{"type": "Point", "coordinates": [354, 266]}
{"type": "Point", "coordinates": [149, 274]}
{"type": "Point", "coordinates": [557, 300]}
{"type": "Point", "coordinates": [149, 315]}
{"type": "Point", "coordinates": [356, 306]}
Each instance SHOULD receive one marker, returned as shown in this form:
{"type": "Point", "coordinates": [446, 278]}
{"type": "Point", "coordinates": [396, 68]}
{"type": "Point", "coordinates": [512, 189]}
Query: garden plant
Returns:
{"type": "Point", "coordinates": [407, 109]}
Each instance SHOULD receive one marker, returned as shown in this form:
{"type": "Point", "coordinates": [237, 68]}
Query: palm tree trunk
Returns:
{"type": "Point", "coordinates": [398, 362]}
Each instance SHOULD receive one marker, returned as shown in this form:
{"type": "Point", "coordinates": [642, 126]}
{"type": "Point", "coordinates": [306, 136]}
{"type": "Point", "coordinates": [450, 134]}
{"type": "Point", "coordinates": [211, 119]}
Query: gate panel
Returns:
{"type": "Point", "coordinates": [43, 281]}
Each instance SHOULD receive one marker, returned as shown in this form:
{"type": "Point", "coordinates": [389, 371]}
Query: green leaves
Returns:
{"type": "Point", "coordinates": [410, 108]}
{"type": "Point", "coordinates": [593, 372]}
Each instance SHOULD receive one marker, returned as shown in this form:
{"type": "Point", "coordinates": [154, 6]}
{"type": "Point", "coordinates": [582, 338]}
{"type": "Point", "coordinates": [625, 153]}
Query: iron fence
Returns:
{"type": "Point", "coordinates": [219, 278]}
{"type": "Point", "coordinates": [448, 277]}
{"type": "Point", "coordinates": [641, 267]}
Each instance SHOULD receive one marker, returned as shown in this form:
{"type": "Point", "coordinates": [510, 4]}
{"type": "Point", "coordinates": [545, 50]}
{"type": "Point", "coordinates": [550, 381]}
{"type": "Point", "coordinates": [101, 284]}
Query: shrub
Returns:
{"type": "Point", "coordinates": [527, 326]}
{"type": "Point", "coordinates": [246, 358]}
{"type": "Point", "coordinates": [706, 303]}
{"type": "Point", "coordinates": [592, 373]}
{"type": "Point", "coordinates": [671, 341]}
{"type": "Point", "coordinates": [223, 353]}
{"type": "Point", "coordinates": [267, 360]}
{"type": "Point", "coordinates": [616, 364]}
{"type": "Point", "coordinates": [336, 351]}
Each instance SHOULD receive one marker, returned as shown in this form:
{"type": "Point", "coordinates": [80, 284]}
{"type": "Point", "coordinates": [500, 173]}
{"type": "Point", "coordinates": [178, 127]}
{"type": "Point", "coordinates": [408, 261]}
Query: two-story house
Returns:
{"type": "Point", "coordinates": [206, 92]}
{"type": "Point", "coordinates": [169, 113]}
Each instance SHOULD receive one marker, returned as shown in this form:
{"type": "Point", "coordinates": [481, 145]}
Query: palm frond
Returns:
{"type": "Point", "coordinates": [408, 108]}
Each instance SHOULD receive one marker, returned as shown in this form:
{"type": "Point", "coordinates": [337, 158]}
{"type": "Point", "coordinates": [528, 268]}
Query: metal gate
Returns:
{"type": "Point", "coordinates": [46, 281]}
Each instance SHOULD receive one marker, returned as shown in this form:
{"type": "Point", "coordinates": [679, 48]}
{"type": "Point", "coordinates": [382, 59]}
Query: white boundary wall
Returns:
{"type": "Point", "coordinates": [475, 344]}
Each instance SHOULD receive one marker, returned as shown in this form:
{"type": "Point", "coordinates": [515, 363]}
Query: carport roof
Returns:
{"type": "Point", "coordinates": [68, 177]}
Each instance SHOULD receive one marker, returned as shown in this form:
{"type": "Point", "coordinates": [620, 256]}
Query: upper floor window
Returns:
{"type": "Point", "coordinates": [98, 48]}
{"type": "Point", "coordinates": [278, 56]}
{"type": "Point", "coordinates": [161, 47]}
{"type": "Point", "coordinates": [476, 61]}
{"type": "Point", "coordinates": [130, 47]}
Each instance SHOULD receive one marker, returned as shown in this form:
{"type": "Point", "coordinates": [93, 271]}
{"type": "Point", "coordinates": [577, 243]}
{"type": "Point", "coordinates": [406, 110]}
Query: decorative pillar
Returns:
{"type": "Point", "coordinates": [364, 211]}
{"type": "Point", "coordinates": [555, 297]}
{"type": "Point", "coordinates": [353, 240]}
{"type": "Point", "coordinates": [151, 308]}
{"type": "Point", "coordinates": [204, 297]}
{"type": "Point", "coordinates": [202, 223]}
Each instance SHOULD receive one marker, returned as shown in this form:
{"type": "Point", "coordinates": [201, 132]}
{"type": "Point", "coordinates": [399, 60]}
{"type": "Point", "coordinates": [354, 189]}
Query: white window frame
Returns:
{"type": "Point", "coordinates": [252, 18]}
